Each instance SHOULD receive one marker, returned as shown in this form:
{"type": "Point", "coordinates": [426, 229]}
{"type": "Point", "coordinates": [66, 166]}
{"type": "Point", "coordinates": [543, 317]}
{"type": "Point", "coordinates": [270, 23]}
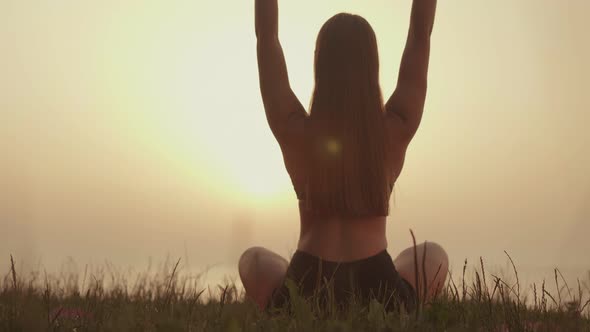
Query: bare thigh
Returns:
{"type": "Point", "coordinates": [434, 267]}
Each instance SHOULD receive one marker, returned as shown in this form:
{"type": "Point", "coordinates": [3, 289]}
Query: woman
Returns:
{"type": "Point", "coordinates": [343, 159]}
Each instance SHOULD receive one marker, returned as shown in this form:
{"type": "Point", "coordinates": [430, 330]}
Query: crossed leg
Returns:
{"type": "Point", "coordinates": [262, 271]}
{"type": "Point", "coordinates": [436, 266]}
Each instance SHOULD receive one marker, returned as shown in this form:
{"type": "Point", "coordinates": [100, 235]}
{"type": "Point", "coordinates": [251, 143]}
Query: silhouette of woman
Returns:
{"type": "Point", "coordinates": [343, 159]}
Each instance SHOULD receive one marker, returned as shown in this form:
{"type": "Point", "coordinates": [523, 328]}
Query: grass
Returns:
{"type": "Point", "coordinates": [170, 300]}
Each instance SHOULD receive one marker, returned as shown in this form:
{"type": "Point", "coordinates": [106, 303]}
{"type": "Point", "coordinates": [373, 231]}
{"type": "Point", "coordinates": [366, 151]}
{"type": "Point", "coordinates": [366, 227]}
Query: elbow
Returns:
{"type": "Point", "coordinates": [267, 39]}
{"type": "Point", "coordinates": [421, 34]}
{"type": "Point", "coordinates": [265, 35]}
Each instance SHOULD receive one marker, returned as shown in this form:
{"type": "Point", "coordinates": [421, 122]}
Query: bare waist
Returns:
{"type": "Point", "coordinates": [343, 240]}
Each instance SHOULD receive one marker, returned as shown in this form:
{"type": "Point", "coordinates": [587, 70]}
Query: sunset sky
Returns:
{"type": "Point", "coordinates": [133, 129]}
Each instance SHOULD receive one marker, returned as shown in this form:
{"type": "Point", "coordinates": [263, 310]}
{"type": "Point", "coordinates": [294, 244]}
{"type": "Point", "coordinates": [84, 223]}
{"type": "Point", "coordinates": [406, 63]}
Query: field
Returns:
{"type": "Point", "coordinates": [170, 300]}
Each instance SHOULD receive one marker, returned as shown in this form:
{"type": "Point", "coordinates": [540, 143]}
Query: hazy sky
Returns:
{"type": "Point", "coordinates": [131, 129]}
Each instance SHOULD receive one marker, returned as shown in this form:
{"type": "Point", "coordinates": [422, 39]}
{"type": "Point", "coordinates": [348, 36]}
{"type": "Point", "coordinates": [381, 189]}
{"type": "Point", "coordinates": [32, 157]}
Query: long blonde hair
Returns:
{"type": "Point", "coordinates": [347, 162]}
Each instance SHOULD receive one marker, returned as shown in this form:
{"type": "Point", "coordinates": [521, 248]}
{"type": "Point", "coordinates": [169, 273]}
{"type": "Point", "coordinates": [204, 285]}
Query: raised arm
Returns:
{"type": "Point", "coordinates": [280, 103]}
{"type": "Point", "coordinates": [406, 104]}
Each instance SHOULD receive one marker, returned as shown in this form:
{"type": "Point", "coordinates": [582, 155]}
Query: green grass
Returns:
{"type": "Point", "coordinates": [106, 300]}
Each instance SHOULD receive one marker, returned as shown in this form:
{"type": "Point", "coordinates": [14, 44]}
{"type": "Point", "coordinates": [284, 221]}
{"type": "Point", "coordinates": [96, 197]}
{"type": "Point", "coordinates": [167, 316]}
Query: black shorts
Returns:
{"type": "Point", "coordinates": [374, 277]}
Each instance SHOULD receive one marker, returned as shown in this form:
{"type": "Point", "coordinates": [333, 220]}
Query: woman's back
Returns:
{"type": "Point", "coordinates": [345, 155]}
{"type": "Point", "coordinates": [340, 238]}
{"type": "Point", "coordinates": [343, 158]}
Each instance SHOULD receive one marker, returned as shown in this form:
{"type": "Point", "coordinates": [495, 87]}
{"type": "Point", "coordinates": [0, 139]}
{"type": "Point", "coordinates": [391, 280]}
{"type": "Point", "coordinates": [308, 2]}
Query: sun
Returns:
{"type": "Point", "coordinates": [253, 165]}
{"type": "Point", "coordinates": [240, 160]}
{"type": "Point", "coordinates": [208, 107]}
{"type": "Point", "coordinates": [258, 182]}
